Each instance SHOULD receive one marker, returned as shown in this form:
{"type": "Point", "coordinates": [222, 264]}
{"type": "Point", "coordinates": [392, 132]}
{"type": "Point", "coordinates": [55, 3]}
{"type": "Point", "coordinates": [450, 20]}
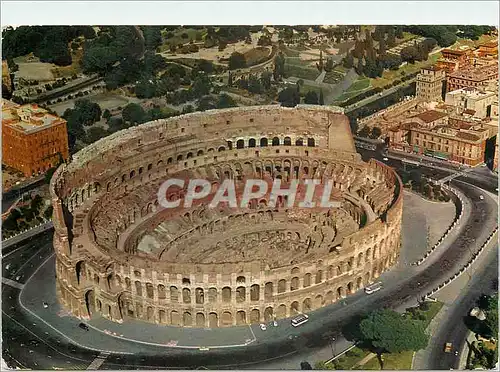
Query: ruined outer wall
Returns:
{"type": "Point", "coordinates": [117, 285]}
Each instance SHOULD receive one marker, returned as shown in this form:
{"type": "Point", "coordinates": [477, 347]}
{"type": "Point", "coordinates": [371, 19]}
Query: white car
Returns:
{"type": "Point", "coordinates": [263, 327]}
{"type": "Point", "coordinates": [274, 323]}
{"type": "Point", "coordinates": [45, 305]}
{"type": "Point", "coordinates": [481, 197]}
{"type": "Point", "coordinates": [385, 159]}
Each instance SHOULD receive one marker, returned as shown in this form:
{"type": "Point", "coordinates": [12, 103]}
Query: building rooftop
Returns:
{"type": "Point", "coordinates": [430, 116]}
{"type": "Point", "coordinates": [478, 73]}
{"type": "Point", "coordinates": [27, 118]}
{"type": "Point", "coordinates": [468, 136]}
{"type": "Point", "coordinates": [454, 51]}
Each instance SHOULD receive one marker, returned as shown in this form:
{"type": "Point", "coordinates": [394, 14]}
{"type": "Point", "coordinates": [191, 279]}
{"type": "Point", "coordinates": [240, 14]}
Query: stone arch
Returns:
{"type": "Point", "coordinates": [162, 315]}
{"type": "Point", "coordinates": [281, 286]}
{"type": "Point", "coordinates": [212, 295]}
{"type": "Point", "coordinates": [281, 312]}
{"type": "Point", "coordinates": [299, 142]}
{"type": "Point", "coordinates": [268, 314]}
{"type": "Point", "coordinates": [276, 141]}
{"type": "Point", "coordinates": [200, 153]}
{"type": "Point", "coordinates": [287, 141]}
{"type": "Point", "coordinates": [318, 301]}
{"type": "Point", "coordinates": [360, 259]}
{"type": "Point", "coordinates": [240, 280]}
{"type": "Point", "coordinates": [340, 293]}
{"type": "Point", "coordinates": [226, 319]}
{"type": "Point", "coordinates": [187, 319]}
{"type": "Point", "coordinates": [150, 314]}
{"type": "Point", "coordinates": [186, 295]}
{"type": "Point", "coordinates": [311, 142]}
{"type": "Point", "coordinates": [350, 288]}
{"type": "Point", "coordinates": [132, 174]}
{"type": "Point", "coordinates": [255, 292]}
{"type": "Point", "coordinates": [226, 294]}
{"type": "Point", "coordinates": [319, 277]}
{"type": "Point", "coordinates": [174, 294]}
{"type": "Point", "coordinates": [80, 271]}
{"type": "Point", "coordinates": [189, 155]}
{"type": "Point", "coordinates": [307, 280]}
{"type": "Point", "coordinates": [138, 288]}
{"type": "Point", "coordinates": [199, 296]}
{"type": "Point", "coordinates": [220, 149]}
{"type": "Point", "coordinates": [306, 305]}
{"type": "Point", "coordinates": [213, 320]}
{"type": "Point", "coordinates": [175, 318]}
{"type": "Point", "coordinates": [359, 283]}
{"type": "Point", "coordinates": [295, 270]}
{"type": "Point", "coordinates": [268, 291]}
{"type": "Point", "coordinates": [263, 142]}
{"type": "Point", "coordinates": [251, 142]}
{"type": "Point", "coordinates": [241, 317]}
{"type": "Point", "coordinates": [90, 302]}
{"type": "Point", "coordinates": [294, 284]}
{"type": "Point", "coordinates": [339, 269]}
{"type": "Point", "coordinates": [240, 144]}
{"type": "Point", "coordinates": [255, 316]}
{"type": "Point", "coordinates": [294, 308]}
{"type": "Point", "coordinates": [200, 320]}
{"type": "Point", "coordinates": [240, 294]}
{"type": "Point", "coordinates": [149, 290]}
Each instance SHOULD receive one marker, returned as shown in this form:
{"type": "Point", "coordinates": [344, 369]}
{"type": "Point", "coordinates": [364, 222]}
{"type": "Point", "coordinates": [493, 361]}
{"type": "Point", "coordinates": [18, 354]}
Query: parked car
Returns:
{"type": "Point", "coordinates": [83, 326]}
{"type": "Point", "coordinates": [447, 347]}
{"type": "Point", "coordinates": [263, 326]}
{"type": "Point", "coordinates": [481, 197]}
{"type": "Point", "coordinates": [45, 305]}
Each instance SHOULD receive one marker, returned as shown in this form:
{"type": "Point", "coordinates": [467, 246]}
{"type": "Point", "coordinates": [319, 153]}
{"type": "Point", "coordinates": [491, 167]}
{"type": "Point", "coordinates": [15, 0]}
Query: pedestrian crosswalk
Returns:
{"type": "Point", "coordinates": [12, 283]}
{"type": "Point", "coordinates": [97, 362]}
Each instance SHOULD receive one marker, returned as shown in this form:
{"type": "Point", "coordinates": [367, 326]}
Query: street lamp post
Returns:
{"type": "Point", "coordinates": [333, 346]}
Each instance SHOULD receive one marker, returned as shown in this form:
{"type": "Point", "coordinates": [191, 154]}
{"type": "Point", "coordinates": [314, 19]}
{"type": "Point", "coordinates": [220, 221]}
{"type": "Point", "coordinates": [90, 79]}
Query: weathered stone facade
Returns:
{"type": "Point", "coordinates": [123, 256]}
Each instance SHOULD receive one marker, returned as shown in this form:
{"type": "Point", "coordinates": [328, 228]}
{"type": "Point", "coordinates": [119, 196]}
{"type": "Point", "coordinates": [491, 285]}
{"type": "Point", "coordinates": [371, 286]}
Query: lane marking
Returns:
{"type": "Point", "coordinates": [12, 283]}
{"type": "Point", "coordinates": [97, 362]}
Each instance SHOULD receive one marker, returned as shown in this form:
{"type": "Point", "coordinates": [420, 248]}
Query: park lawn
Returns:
{"type": "Point", "coordinates": [361, 84]}
{"type": "Point", "coordinates": [349, 359]}
{"type": "Point", "coordinates": [432, 312]}
{"type": "Point", "coordinates": [301, 72]}
{"type": "Point", "coordinates": [397, 361]}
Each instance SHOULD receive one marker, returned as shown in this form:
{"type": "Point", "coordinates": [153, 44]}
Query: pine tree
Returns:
{"type": "Point", "coordinates": [321, 98]}
{"type": "Point", "coordinates": [230, 79]}
{"type": "Point", "coordinates": [391, 38]}
{"type": "Point", "coordinates": [359, 68]}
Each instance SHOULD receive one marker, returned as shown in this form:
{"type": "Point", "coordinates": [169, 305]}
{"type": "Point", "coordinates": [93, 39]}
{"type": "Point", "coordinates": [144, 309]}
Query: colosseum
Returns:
{"type": "Point", "coordinates": [122, 255]}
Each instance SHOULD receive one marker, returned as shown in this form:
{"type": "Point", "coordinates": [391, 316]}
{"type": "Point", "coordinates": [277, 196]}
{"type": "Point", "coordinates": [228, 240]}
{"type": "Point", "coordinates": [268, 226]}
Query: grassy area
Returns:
{"type": "Point", "coordinates": [356, 88]}
{"type": "Point", "coordinates": [399, 361]}
{"type": "Point", "coordinates": [349, 359]}
{"type": "Point", "coordinates": [389, 75]}
{"type": "Point", "coordinates": [301, 72]}
{"type": "Point", "coordinates": [176, 39]}
{"type": "Point", "coordinates": [333, 77]}
{"type": "Point", "coordinates": [473, 43]}
{"type": "Point", "coordinates": [426, 315]}
{"type": "Point", "coordinates": [307, 88]}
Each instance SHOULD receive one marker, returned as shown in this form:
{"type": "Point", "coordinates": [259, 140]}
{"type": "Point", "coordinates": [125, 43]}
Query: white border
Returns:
{"type": "Point", "coordinates": [248, 12]}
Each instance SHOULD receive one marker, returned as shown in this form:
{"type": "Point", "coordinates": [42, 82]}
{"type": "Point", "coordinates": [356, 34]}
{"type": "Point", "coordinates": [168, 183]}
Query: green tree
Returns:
{"type": "Point", "coordinates": [387, 331]}
{"type": "Point", "coordinates": [106, 114]}
{"type": "Point", "coordinates": [133, 114]}
{"type": "Point", "coordinates": [152, 36]}
{"type": "Point", "coordinates": [225, 101]}
{"type": "Point", "coordinates": [311, 98]}
{"type": "Point", "coordinates": [237, 60]}
{"type": "Point", "coordinates": [265, 80]}
{"type": "Point", "coordinates": [48, 212]}
{"type": "Point", "coordinates": [321, 98]}
{"type": "Point", "coordinates": [348, 61]}
{"type": "Point", "coordinates": [391, 37]}
{"type": "Point", "coordinates": [254, 85]}
{"type": "Point", "coordinates": [289, 97]}
{"type": "Point", "coordinates": [96, 133]}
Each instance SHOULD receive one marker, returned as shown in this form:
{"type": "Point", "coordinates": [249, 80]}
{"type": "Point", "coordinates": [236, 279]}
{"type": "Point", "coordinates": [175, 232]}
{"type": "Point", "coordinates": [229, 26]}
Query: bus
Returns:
{"type": "Point", "coordinates": [412, 162]}
{"type": "Point", "coordinates": [299, 320]}
{"type": "Point", "coordinates": [373, 288]}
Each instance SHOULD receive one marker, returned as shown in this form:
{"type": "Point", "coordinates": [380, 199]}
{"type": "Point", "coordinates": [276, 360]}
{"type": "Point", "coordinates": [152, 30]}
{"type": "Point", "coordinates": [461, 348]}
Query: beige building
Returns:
{"type": "Point", "coordinates": [430, 84]}
{"type": "Point", "coordinates": [472, 99]}
{"type": "Point", "coordinates": [461, 146]}
{"type": "Point", "coordinates": [472, 77]}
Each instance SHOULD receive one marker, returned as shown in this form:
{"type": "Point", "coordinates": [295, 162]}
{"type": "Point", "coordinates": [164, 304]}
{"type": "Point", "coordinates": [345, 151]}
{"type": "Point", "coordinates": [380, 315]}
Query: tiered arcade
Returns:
{"type": "Point", "coordinates": [121, 254]}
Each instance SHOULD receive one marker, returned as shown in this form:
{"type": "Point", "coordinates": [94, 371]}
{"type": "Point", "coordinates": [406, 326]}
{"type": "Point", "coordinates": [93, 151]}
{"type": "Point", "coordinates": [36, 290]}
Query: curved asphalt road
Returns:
{"type": "Point", "coordinates": [31, 345]}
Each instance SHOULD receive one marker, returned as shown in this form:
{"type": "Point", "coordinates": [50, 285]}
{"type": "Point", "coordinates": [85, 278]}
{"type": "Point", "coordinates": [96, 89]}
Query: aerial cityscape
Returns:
{"type": "Point", "coordinates": [250, 197]}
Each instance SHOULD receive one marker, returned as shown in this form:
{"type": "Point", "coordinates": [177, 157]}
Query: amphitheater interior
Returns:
{"type": "Point", "coordinates": [121, 254]}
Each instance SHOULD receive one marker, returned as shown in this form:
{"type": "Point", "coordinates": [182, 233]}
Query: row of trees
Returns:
{"type": "Point", "coordinates": [21, 218]}
{"type": "Point", "coordinates": [447, 35]}
{"type": "Point", "coordinates": [291, 96]}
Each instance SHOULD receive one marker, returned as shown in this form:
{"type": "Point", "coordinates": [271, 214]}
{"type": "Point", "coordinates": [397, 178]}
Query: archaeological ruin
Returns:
{"type": "Point", "coordinates": [122, 255]}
